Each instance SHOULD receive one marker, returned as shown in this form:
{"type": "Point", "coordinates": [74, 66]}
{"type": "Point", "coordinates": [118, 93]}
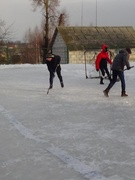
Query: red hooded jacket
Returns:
{"type": "Point", "coordinates": [102, 55]}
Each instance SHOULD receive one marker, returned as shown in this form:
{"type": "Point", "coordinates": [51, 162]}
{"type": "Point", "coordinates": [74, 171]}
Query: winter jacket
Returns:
{"type": "Point", "coordinates": [54, 63]}
{"type": "Point", "coordinates": [102, 56]}
{"type": "Point", "coordinates": [121, 60]}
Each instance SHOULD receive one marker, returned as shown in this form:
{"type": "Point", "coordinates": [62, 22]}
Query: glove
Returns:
{"type": "Point", "coordinates": [97, 69]}
{"type": "Point", "coordinates": [128, 68]}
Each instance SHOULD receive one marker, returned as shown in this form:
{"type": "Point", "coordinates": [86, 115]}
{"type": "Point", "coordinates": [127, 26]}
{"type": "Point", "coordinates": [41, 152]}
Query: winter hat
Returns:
{"type": "Point", "coordinates": [128, 50]}
{"type": "Point", "coordinates": [104, 46]}
{"type": "Point", "coordinates": [49, 56]}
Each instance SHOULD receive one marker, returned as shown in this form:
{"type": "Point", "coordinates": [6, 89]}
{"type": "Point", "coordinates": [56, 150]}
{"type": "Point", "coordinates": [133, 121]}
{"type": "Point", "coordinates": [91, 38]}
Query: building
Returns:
{"type": "Point", "coordinates": [73, 43]}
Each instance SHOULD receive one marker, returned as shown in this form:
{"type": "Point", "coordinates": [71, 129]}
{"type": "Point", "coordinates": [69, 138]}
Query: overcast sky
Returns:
{"type": "Point", "coordinates": [81, 12]}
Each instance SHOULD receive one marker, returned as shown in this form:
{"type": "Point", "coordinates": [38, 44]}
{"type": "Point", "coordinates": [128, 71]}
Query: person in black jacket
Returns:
{"type": "Point", "coordinates": [120, 60]}
{"type": "Point", "coordinates": [53, 65]}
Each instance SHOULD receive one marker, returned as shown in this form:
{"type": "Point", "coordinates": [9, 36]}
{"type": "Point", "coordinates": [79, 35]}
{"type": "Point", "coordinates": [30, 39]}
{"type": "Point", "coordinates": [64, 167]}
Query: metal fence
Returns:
{"type": "Point", "coordinates": [24, 55]}
{"type": "Point", "coordinates": [20, 55]}
{"type": "Point", "coordinates": [30, 55]}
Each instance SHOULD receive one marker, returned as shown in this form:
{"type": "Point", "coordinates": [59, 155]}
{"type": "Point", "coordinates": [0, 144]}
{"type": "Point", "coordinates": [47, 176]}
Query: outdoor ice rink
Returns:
{"type": "Point", "coordinates": [74, 133]}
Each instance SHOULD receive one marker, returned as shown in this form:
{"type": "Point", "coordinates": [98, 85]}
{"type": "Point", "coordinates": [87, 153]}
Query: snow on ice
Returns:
{"type": "Point", "coordinates": [72, 133]}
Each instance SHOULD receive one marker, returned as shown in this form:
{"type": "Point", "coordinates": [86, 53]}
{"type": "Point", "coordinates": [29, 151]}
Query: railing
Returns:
{"type": "Point", "coordinates": [20, 55]}
{"type": "Point", "coordinates": [35, 55]}
{"type": "Point", "coordinates": [24, 55]}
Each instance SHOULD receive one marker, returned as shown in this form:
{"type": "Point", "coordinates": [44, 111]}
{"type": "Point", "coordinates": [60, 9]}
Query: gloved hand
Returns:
{"type": "Point", "coordinates": [97, 69]}
{"type": "Point", "coordinates": [128, 68]}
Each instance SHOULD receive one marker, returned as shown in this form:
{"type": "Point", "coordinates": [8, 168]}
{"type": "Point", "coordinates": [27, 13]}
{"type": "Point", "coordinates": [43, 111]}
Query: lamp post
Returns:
{"type": "Point", "coordinates": [82, 14]}
{"type": "Point", "coordinates": [96, 13]}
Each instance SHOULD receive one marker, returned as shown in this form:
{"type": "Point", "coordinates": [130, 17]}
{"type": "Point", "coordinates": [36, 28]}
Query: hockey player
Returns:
{"type": "Point", "coordinates": [120, 60]}
{"type": "Point", "coordinates": [53, 65]}
{"type": "Point", "coordinates": [101, 63]}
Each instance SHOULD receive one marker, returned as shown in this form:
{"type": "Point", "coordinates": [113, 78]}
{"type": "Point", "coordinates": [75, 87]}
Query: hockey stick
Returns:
{"type": "Point", "coordinates": [128, 69]}
{"type": "Point", "coordinates": [85, 65]}
{"type": "Point", "coordinates": [48, 91]}
{"type": "Point", "coordinates": [53, 78]}
{"type": "Point", "coordinates": [101, 75]}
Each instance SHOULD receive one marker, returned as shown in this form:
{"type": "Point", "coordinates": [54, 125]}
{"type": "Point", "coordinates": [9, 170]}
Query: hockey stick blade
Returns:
{"type": "Point", "coordinates": [130, 68]}
{"type": "Point", "coordinates": [48, 91]}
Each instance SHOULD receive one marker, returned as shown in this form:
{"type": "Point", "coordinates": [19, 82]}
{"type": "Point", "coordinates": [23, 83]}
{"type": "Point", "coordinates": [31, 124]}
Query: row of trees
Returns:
{"type": "Point", "coordinates": [39, 38]}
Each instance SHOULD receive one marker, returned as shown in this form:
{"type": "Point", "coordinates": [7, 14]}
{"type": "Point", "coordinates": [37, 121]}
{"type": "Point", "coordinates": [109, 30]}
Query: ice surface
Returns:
{"type": "Point", "coordinates": [73, 133]}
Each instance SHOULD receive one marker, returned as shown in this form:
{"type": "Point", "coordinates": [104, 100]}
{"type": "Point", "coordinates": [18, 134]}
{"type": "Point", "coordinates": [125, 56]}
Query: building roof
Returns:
{"type": "Point", "coordinates": [85, 38]}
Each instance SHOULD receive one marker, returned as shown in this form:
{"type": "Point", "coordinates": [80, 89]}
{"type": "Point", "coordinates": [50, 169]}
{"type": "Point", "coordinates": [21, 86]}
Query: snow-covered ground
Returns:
{"type": "Point", "coordinates": [73, 133]}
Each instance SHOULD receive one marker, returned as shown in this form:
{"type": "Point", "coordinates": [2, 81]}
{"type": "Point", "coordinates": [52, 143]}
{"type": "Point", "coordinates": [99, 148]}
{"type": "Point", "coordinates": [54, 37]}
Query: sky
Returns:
{"type": "Point", "coordinates": [72, 133]}
{"type": "Point", "coordinates": [80, 12]}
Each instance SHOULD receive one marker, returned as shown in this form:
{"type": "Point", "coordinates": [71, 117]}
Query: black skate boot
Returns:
{"type": "Point", "coordinates": [123, 94]}
{"type": "Point", "coordinates": [101, 80]}
{"type": "Point", "coordinates": [62, 84]}
{"type": "Point", "coordinates": [51, 86]}
{"type": "Point", "coordinates": [106, 93]}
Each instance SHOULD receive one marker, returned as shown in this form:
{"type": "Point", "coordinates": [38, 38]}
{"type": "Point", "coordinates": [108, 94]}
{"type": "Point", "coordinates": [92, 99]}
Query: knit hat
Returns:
{"type": "Point", "coordinates": [49, 56]}
{"type": "Point", "coordinates": [104, 46]}
{"type": "Point", "coordinates": [128, 50]}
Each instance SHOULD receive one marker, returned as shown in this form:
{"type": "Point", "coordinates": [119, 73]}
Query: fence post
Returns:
{"type": "Point", "coordinates": [7, 54]}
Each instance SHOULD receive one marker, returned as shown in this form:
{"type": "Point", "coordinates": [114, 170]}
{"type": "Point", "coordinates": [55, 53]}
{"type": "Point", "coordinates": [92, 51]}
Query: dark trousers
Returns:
{"type": "Point", "coordinates": [116, 74]}
{"type": "Point", "coordinates": [52, 75]}
{"type": "Point", "coordinates": [104, 69]}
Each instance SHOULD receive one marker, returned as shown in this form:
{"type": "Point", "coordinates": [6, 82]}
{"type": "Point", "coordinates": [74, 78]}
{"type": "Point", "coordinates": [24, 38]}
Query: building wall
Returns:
{"type": "Point", "coordinates": [80, 57]}
{"type": "Point", "coordinates": [132, 56]}
{"type": "Point", "coordinates": [59, 48]}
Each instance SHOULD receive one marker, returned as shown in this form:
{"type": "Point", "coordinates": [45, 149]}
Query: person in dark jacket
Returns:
{"type": "Point", "coordinates": [101, 63]}
{"type": "Point", "coordinates": [53, 65]}
{"type": "Point", "coordinates": [120, 60]}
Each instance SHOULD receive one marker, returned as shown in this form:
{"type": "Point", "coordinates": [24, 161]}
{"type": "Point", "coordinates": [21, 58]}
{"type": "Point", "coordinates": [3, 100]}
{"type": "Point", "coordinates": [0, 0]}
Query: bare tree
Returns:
{"type": "Point", "coordinates": [34, 41]}
{"type": "Point", "coordinates": [52, 19]}
{"type": "Point", "coordinates": [5, 31]}
{"type": "Point", "coordinates": [50, 13]}
{"type": "Point", "coordinates": [33, 36]}
{"type": "Point", "coordinates": [63, 19]}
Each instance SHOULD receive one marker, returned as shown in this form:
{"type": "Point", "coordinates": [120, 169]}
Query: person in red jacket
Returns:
{"type": "Point", "coordinates": [101, 63]}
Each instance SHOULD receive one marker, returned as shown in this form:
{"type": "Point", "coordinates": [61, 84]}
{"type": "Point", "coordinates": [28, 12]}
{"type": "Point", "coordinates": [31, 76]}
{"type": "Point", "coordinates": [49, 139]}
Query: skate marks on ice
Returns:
{"type": "Point", "coordinates": [71, 162]}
